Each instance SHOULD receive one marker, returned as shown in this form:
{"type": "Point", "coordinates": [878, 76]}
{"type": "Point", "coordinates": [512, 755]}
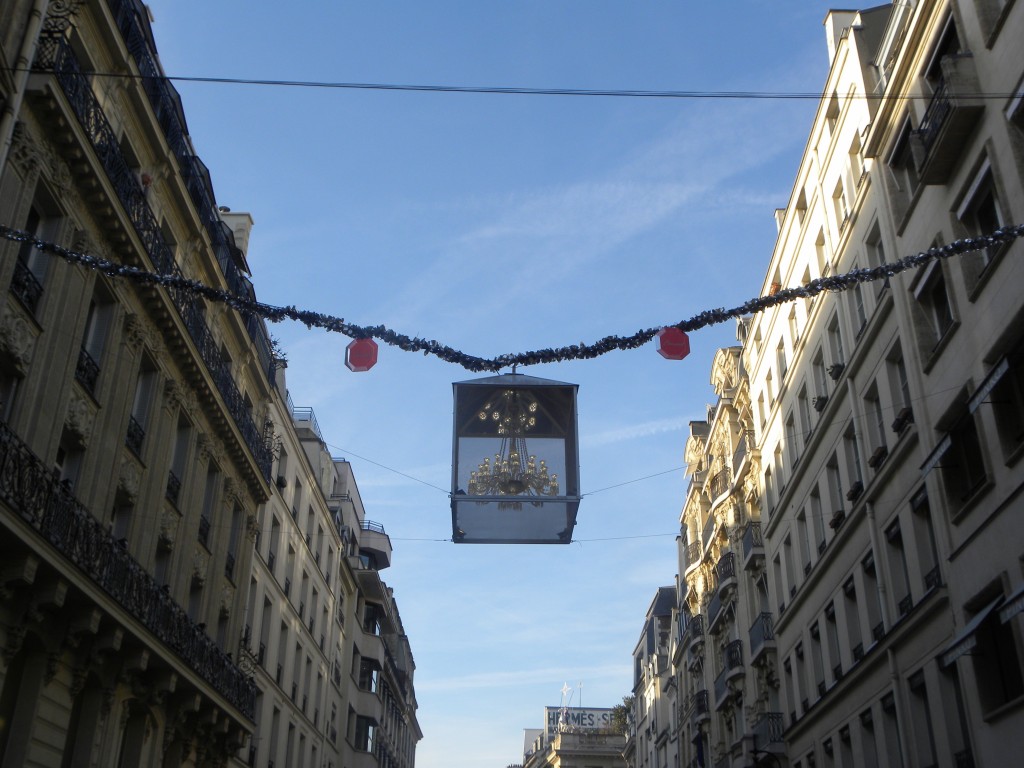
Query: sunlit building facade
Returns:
{"type": "Point", "coordinates": [723, 650]}
{"type": "Point", "coordinates": [887, 417]}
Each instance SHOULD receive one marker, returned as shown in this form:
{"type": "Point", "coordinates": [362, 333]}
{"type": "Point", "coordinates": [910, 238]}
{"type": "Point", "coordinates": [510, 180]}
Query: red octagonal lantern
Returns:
{"type": "Point", "coordinates": [673, 343]}
{"type": "Point", "coordinates": [361, 355]}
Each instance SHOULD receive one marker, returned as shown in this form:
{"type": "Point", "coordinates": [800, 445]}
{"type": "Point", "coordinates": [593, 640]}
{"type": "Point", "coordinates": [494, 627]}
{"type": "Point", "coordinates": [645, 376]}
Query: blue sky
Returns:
{"type": "Point", "coordinates": [496, 224]}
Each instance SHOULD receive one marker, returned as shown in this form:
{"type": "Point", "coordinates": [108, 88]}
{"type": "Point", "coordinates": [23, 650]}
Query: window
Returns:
{"type": "Point", "coordinates": [873, 598]}
{"type": "Point", "coordinates": [852, 615]}
{"type": "Point", "coordinates": [960, 457]}
{"type": "Point", "coordinates": [841, 206]}
{"type": "Point", "coordinates": [819, 378]}
{"type": "Point", "coordinates": [903, 176]}
{"type": "Point", "coordinates": [209, 502]}
{"type": "Point", "coordinates": [981, 213]}
{"type": "Point", "coordinates": [9, 382]}
{"type": "Point", "coordinates": [803, 409]}
{"type": "Point", "coordinates": [891, 731]}
{"type": "Point", "coordinates": [898, 571]}
{"type": "Point", "coordinates": [921, 719]}
{"type": "Point", "coordinates": [875, 254]}
{"type": "Point", "coordinates": [31, 265]}
{"type": "Point", "coordinates": [835, 347]}
{"type": "Point", "coordinates": [954, 715]}
{"type": "Point", "coordinates": [851, 450]}
{"type": "Point", "coordinates": [369, 675]}
{"type": "Point", "coordinates": [868, 741]}
{"type": "Point", "coordinates": [835, 484]}
{"type": "Point", "coordinates": [924, 539]}
{"type": "Point", "coordinates": [97, 323]}
{"type": "Point", "coordinates": [792, 441]}
{"type": "Point", "coordinates": [780, 358]}
{"type": "Point", "coordinates": [857, 170]}
{"type": "Point", "coordinates": [819, 252]}
{"type": "Point", "coordinates": [933, 311]}
{"type": "Point", "coordinates": [1007, 400]}
{"type": "Point", "coordinates": [857, 307]}
{"type": "Point", "coordinates": [994, 658]}
{"type": "Point", "coordinates": [899, 388]}
{"type": "Point", "coordinates": [875, 418]}
{"type": "Point", "coordinates": [145, 392]}
{"type": "Point", "coordinates": [69, 459]}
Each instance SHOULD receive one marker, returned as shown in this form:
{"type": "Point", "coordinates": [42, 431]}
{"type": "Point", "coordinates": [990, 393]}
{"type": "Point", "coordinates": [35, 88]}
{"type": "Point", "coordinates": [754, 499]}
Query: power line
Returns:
{"type": "Point", "coordinates": [520, 90]}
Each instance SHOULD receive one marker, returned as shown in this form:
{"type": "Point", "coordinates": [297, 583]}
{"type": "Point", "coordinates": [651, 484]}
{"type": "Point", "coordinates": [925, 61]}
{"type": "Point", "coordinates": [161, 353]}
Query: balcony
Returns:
{"type": "Point", "coordinates": [726, 570]}
{"type": "Point", "coordinates": [28, 487]}
{"type": "Point", "coordinates": [753, 546]}
{"type": "Point", "coordinates": [55, 55]}
{"type": "Point", "coordinates": [710, 526]}
{"type": "Point", "coordinates": [693, 554]}
{"type": "Point", "coordinates": [741, 452]}
{"type": "Point", "coordinates": [87, 371]}
{"type": "Point", "coordinates": [949, 119]}
{"type": "Point", "coordinates": [715, 611]}
{"type": "Point", "coordinates": [768, 730]}
{"type": "Point", "coordinates": [720, 483]}
{"type": "Point", "coordinates": [695, 633]}
{"type": "Point", "coordinates": [134, 436]}
{"type": "Point", "coordinates": [762, 636]}
{"type": "Point", "coordinates": [373, 540]}
{"type": "Point", "coordinates": [173, 489]}
{"type": "Point", "coordinates": [26, 286]}
{"type": "Point", "coordinates": [700, 711]}
{"type": "Point", "coordinates": [731, 670]}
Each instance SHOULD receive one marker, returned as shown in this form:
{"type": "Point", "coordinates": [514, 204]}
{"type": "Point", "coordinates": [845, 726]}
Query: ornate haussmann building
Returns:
{"type": "Point", "coordinates": [188, 578]}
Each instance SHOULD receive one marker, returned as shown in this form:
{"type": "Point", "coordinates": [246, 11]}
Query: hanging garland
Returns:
{"type": "Point", "coordinates": [270, 313]}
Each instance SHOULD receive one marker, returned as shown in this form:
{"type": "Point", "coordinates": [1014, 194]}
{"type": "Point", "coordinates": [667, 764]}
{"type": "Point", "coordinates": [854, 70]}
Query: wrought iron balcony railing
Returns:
{"type": "Point", "coordinates": [28, 487]}
{"type": "Point", "coordinates": [693, 553]}
{"type": "Point", "coordinates": [752, 541]}
{"type": "Point", "coordinates": [55, 55]}
{"type": "Point", "coordinates": [768, 729]}
{"type": "Point", "coordinates": [167, 106]}
{"type": "Point", "coordinates": [87, 371]}
{"type": "Point", "coordinates": [720, 483]}
{"type": "Point", "coordinates": [134, 436]}
{"type": "Point", "coordinates": [26, 286]}
{"type": "Point", "coordinates": [726, 568]}
{"type": "Point", "coordinates": [762, 631]}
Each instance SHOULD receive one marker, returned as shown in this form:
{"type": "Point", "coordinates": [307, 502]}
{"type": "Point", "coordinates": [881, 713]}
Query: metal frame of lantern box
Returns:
{"type": "Point", "coordinates": [515, 461]}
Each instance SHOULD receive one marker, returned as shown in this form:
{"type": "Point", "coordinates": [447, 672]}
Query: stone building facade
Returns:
{"type": "Point", "coordinates": [886, 416]}
{"type": "Point", "coordinates": [162, 604]}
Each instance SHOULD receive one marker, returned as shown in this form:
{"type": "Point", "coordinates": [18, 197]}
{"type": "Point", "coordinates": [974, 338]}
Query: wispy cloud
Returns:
{"type": "Point", "coordinates": [635, 431]}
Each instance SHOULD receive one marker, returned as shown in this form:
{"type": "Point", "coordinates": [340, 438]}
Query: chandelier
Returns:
{"type": "Point", "coordinates": [514, 471]}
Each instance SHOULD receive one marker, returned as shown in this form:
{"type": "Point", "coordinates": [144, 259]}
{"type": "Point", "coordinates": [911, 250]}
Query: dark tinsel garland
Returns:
{"type": "Point", "coordinates": [580, 351]}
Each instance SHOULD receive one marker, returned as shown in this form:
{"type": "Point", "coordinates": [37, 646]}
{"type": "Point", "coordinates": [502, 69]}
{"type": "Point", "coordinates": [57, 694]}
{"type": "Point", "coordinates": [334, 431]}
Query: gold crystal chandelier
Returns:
{"type": "Point", "coordinates": [514, 471]}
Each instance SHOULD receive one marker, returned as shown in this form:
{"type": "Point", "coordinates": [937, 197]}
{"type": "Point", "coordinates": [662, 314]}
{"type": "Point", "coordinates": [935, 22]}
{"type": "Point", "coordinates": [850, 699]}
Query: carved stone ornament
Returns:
{"type": "Point", "coordinates": [210, 450]}
{"type": "Point", "coordinates": [181, 397]}
{"type": "Point", "coordinates": [139, 333]}
{"type": "Point", "coordinates": [200, 565]}
{"type": "Point", "coordinates": [14, 640]}
{"type": "Point", "coordinates": [17, 339]}
{"type": "Point", "coordinates": [130, 479]}
{"type": "Point", "coordinates": [60, 15]}
{"type": "Point", "coordinates": [227, 597]}
{"type": "Point", "coordinates": [252, 527]}
{"type": "Point", "coordinates": [80, 418]}
{"type": "Point", "coordinates": [168, 527]}
{"type": "Point", "coordinates": [24, 153]}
